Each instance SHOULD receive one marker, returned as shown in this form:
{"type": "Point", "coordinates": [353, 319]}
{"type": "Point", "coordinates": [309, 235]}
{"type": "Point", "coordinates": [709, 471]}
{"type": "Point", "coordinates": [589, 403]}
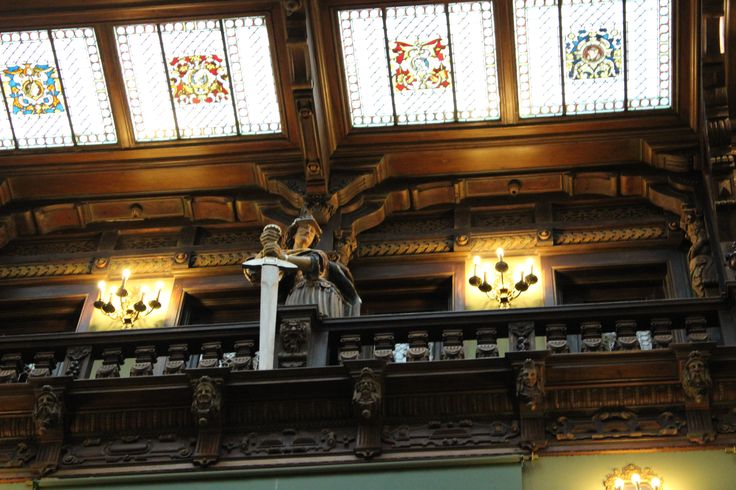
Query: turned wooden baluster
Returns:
{"type": "Point", "coordinates": [697, 329]}
{"type": "Point", "coordinates": [145, 358]}
{"type": "Point", "coordinates": [557, 338]}
{"type": "Point", "coordinates": [418, 346]}
{"type": "Point", "coordinates": [452, 344]}
{"type": "Point", "coordinates": [383, 346]}
{"type": "Point", "coordinates": [626, 335]}
{"type": "Point", "coordinates": [662, 335]}
{"type": "Point", "coordinates": [243, 359]}
{"type": "Point", "coordinates": [177, 360]}
{"type": "Point", "coordinates": [349, 349]}
{"type": "Point", "coordinates": [487, 342]}
{"type": "Point", "coordinates": [44, 364]}
{"type": "Point", "coordinates": [11, 364]}
{"type": "Point", "coordinates": [211, 355]}
{"type": "Point", "coordinates": [111, 360]}
{"type": "Point", "coordinates": [590, 337]}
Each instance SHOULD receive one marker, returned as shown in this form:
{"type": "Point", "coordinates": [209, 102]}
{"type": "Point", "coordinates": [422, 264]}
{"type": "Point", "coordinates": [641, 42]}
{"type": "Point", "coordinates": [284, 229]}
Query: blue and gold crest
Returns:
{"type": "Point", "coordinates": [591, 55]}
{"type": "Point", "coordinates": [34, 89]}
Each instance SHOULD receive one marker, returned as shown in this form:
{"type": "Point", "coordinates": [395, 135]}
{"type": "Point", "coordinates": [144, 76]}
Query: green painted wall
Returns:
{"type": "Point", "coordinates": [686, 470]}
{"type": "Point", "coordinates": [429, 477]}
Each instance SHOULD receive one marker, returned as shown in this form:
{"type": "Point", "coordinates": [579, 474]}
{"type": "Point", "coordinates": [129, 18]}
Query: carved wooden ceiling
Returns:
{"type": "Point", "coordinates": [319, 159]}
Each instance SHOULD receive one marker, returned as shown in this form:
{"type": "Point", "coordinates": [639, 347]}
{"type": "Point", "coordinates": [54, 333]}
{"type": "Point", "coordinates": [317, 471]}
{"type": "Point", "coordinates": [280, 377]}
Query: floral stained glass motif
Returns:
{"type": "Point", "coordinates": [592, 55]}
{"type": "Point", "coordinates": [34, 89]}
{"type": "Point", "coordinates": [198, 79]}
{"type": "Point", "coordinates": [403, 65]}
{"type": "Point", "coordinates": [54, 90]}
{"type": "Point", "coordinates": [420, 65]}
{"type": "Point", "coordinates": [192, 83]}
{"type": "Point", "coordinates": [608, 55]}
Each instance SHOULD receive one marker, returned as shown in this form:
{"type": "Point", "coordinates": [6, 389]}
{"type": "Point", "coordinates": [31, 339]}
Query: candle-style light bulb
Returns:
{"type": "Point", "coordinates": [159, 287]}
{"type": "Point", "coordinates": [126, 275]}
{"type": "Point", "coordinates": [144, 291]}
{"type": "Point", "coordinates": [636, 480]}
{"type": "Point", "coordinates": [656, 483]}
{"type": "Point", "coordinates": [101, 286]}
{"type": "Point", "coordinates": [499, 253]}
{"type": "Point", "coordinates": [618, 484]}
{"type": "Point", "coordinates": [476, 262]}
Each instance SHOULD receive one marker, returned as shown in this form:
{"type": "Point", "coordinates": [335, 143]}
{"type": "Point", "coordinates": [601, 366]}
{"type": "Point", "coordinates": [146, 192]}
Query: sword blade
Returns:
{"type": "Point", "coordinates": [269, 303]}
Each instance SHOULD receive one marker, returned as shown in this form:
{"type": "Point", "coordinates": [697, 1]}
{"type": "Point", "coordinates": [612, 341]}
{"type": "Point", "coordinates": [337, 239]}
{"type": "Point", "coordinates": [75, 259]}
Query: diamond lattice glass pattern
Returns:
{"type": "Point", "coordinates": [32, 90]}
{"type": "Point", "coordinates": [254, 84]}
{"type": "Point", "coordinates": [7, 142]}
{"type": "Point", "coordinates": [84, 85]}
{"type": "Point", "coordinates": [403, 66]}
{"type": "Point", "coordinates": [54, 90]}
{"type": "Point", "coordinates": [196, 79]}
{"type": "Point", "coordinates": [593, 49]}
{"type": "Point", "coordinates": [648, 75]}
{"type": "Point", "coordinates": [145, 75]}
{"type": "Point", "coordinates": [538, 58]}
{"type": "Point", "coordinates": [597, 60]}
{"type": "Point", "coordinates": [199, 79]}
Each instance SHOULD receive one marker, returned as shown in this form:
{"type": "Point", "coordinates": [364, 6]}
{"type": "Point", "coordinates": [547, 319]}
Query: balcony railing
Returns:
{"type": "Point", "coordinates": [306, 340]}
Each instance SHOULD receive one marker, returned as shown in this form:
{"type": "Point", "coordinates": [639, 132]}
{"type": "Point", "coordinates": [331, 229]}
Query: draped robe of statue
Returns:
{"type": "Point", "coordinates": [327, 284]}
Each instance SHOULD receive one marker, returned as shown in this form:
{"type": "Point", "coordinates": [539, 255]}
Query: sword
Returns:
{"type": "Point", "coordinates": [271, 269]}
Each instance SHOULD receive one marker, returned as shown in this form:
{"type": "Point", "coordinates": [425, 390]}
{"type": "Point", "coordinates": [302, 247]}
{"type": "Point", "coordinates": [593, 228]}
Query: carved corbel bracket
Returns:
{"type": "Point", "coordinates": [697, 387]}
{"type": "Point", "coordinates": [367, 401]}
{"type": "Point", "coordinates": [207, 405]}
{"type": "Point", "coordinates": [529, 369]}
{"type": "Point", "coordinates": [48, 419]}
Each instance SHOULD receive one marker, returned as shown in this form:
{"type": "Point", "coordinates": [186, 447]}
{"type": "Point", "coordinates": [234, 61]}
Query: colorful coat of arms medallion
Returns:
{"type": "Point", "coordinates": [34, 89]}
{"type": "Point", "coordinates": [420, 66]}
{"type": "Point", "coordinates": [593, 54]}
{"type": "Point", "coordinates": [198, 79]}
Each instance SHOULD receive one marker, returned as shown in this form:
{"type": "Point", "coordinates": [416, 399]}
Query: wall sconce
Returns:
{"type": "Point", "coordinates": [121, 305]}
{"type": "Point", "coordinates": [498, 288]}
{"type": "Point", "coordinates": [633, 477]}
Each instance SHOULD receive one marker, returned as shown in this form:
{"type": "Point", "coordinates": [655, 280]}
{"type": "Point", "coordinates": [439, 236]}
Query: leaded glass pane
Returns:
{"type": "Point", "coordinates": [609, 63]}
{"type": "Point", "coordinates": [594, 50]}
{"type": "Point", "coordinates": [253, 79]}
{"type": "Point", "coordinates": [7, 142]}
{"type": "Point", "coordinates": [366, 67]}
{"type": "Point", "coordinates": [33, 90]}
{"type": "Point", "coordinates": [84, 85]}
{"type": "Point", "coordinates": [146, 85]}
{"type": "Point", "coordinates": [649, 50]}
{"type": "Point", "coordinates": [420, 64]}
{"type": "Point", "coordinates": [474, 61]}
{"type": "Point", "coordinates": [199, 78]}
{"type": "Point", "coordinates": [538, 57]}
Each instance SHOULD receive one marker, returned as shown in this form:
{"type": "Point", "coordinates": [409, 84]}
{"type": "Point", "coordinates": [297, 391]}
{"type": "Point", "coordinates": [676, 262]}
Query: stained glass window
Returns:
{"type": "Point", "coordinates": [199, 79]}
{"type": "Point", "coordinates": [54, 91]}
{"type": "Point", "coordinates": [590, 56]}
{"type": "Point", "coordinates": [420, 64]}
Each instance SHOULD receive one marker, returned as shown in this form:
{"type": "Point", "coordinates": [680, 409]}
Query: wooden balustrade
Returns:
{"type": "Point", "coordinates": [306, 340]}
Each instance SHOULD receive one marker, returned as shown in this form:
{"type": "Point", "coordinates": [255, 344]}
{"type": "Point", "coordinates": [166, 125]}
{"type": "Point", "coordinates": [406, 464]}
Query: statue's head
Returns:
{"type": "Point", "coordinates": [304, 231]}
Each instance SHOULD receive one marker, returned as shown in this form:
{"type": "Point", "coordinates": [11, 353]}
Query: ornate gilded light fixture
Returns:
{"type": "Point", "coordinates": [121, 305]}
{"type": "Point", "coordinates": [633, 477]}
{"type": "Point", "coordinates": [500, 286]}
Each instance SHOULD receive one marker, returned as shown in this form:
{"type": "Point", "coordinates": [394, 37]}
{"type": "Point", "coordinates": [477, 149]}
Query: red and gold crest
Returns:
{"type": "Point", "coordinates": [198, 79]}
{"type": "Point", "coordinates": [420, 66]}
